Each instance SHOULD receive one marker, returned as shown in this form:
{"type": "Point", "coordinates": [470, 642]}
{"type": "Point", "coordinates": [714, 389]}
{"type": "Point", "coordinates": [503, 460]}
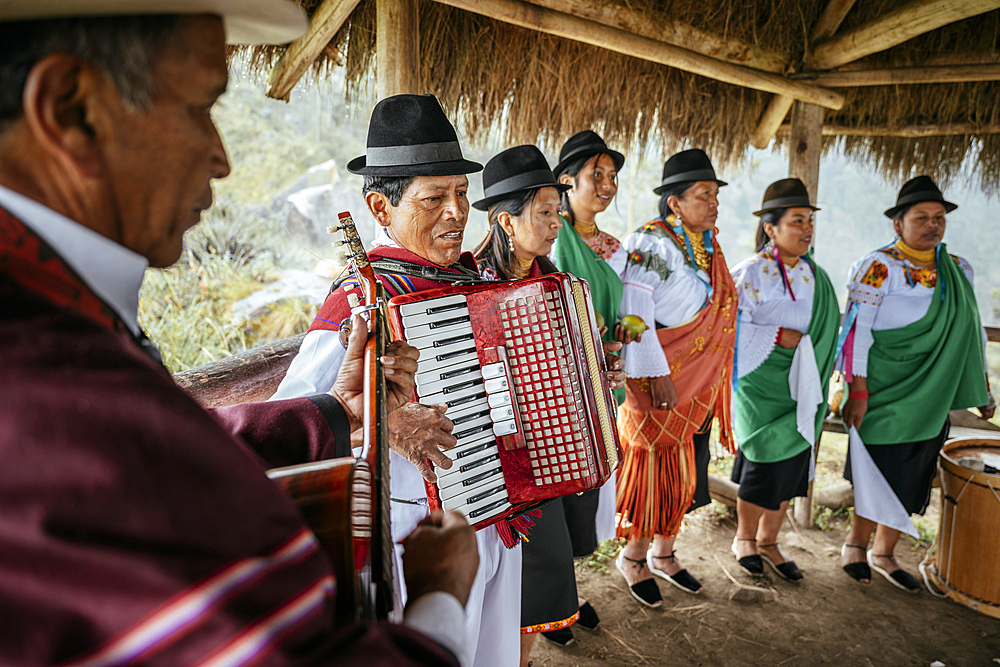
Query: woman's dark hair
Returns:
{"type": "Point", "coordinates": [572, 169]}
{"type": "Point", "coordinates": [898, 215]}
{"type": "Point", "coordinates": [677, 189]}
{"type": "Point", "coordinates": [772, 216]}
{"type": "Point", "coordinates": [494, 251]}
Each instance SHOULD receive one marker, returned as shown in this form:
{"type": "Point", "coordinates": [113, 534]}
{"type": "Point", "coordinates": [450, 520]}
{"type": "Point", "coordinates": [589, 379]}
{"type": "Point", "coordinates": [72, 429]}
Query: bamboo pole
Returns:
{"type": "Point", "coordinates": [302, 53]}
{"type": "Point", "coordinates": [906, 131]}
{"type": "Point", "coordinates": [397, 47]}
{"type": "Point", "coordinates": [906, 22]}
{"type": "Point", "coordinates": [831, 18]}
{"type": "Point", "coordinates": [556, 23]}
{"type": "Point", "coordinates": [670, 31]}
{"type": "Point", "coordinates": [903, 76]}
{"type": "Point", "coordinates": [804, 151]}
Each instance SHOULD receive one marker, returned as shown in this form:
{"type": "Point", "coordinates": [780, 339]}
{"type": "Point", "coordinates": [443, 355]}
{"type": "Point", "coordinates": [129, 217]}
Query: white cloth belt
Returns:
{"type": "Point", "coordinates": [806, 390]}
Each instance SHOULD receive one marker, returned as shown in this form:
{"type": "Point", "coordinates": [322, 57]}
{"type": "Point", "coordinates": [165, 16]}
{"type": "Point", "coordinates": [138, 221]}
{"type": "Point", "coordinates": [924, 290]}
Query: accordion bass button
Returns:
{"type": "Point", "coordinates": [496, 385]}
{"type": "Point", "coordinates": [491, 371]}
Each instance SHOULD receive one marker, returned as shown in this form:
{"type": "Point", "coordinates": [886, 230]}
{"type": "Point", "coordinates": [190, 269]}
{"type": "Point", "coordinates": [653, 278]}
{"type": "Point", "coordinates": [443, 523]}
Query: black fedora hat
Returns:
{"type": "Point", "coordinates": [786, 193]}
{"type": "Point", "coordinates": [515, 170]}
{"type": "Point", "coordinates": [917, 190]}
{"type": "Point", "coordinates": [409, 135]}
{"type": "Point", "coordinates": [686, 167]}
{"type": "Point", "coordinates": [582, 145]}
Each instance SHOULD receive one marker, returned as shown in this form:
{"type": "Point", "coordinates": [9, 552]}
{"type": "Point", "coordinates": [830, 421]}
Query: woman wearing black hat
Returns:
{"type": "Point", "coordinates": [675, 279]}
{"type": "Point", "coordinates": [590, 168]}
{"type": "Point", "coordinates": [789, 320]}
{"type": "Point", "coordinates": [911, 350]}
{"type": "Point", "coordinates": [522, 198]}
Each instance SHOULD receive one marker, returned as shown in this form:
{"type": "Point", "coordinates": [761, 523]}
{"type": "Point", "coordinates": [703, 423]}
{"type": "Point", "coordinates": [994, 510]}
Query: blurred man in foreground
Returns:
{"type": "Point", "coordinates": [136, 527]}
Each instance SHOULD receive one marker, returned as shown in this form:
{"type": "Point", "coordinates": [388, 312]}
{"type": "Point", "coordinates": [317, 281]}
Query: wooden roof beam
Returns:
{"type": "Point", "coordinates": [566, 26]}
{"type": "Point", "coordinates": [829, 21]}
{"type": "Point", "coordinates": [774, 115]}
{"type": "Point", "coordinates": [328, 18]}
{"type": "Point", "coordinates": [903, 76]}
{"type": "Point", "coordinates": [906, 131]}
{"type": "Point", "coordinates": [677, 33]}
{"type": "Point", "coordinates": [900, 25]}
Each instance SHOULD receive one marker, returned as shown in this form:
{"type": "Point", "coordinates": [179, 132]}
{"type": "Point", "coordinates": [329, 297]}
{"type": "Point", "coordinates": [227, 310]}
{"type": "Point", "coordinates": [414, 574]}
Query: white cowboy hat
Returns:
{"type": "Point", "coordinates": [246, 21]}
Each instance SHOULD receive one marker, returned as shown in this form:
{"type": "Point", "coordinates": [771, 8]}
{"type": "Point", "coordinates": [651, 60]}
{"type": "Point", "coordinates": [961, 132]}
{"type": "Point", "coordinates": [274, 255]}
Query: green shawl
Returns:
{"type": "Point", "coordinates": [765, 421]}
{"type": "Point", "coordinates": [919, 372]}
{"type": "Point", "coordinates": [572, 254]}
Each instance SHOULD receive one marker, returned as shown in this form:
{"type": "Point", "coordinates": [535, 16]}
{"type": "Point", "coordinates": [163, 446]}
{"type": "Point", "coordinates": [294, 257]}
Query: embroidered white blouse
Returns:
{"type": "Point", "coordinates": [661, 287]}
{"type": "Point", "coordinates": [766, 306]}
{"type": "Point", "coordinates": [891, 292]}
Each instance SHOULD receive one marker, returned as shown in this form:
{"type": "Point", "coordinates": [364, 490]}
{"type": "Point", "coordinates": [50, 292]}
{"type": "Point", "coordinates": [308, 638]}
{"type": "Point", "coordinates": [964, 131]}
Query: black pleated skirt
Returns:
{"type": "Point", "coordinates": [768, 485]}
{"type": "Point", "coordinates": [566, 530]}
{"type": "Point", "coordinates": [702, 454]}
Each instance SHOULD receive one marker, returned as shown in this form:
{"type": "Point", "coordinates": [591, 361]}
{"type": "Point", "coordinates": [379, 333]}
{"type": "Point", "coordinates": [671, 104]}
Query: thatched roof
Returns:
{"type": "Point", "coordinates": [539, 88]}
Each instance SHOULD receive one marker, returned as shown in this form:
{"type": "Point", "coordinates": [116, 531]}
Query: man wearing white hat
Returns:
{"type": "Point", "coordinates": [136, 527]}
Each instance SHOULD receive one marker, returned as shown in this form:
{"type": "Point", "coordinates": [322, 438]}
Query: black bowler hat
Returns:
{"type": "Point", "coordinates": [584, 145]}
{"type": "Point", "coordinates": [515, 170]}
{"type": "Point", "coordinates": [686, 167]}
{"type": "Point", "coordinates": [786, 193]}
{"type": "Point", "coordinates": [409, 135]}
{"type": "Point", "coordinates": [917, 190]}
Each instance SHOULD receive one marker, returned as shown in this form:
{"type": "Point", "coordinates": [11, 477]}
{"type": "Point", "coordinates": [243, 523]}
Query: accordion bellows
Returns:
{"type": "Point", "coordinates": [521, 368]}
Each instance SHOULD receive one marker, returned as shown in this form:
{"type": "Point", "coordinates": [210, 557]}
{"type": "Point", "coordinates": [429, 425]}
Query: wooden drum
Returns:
{"type": "Point", "coordinates": [967, 563]}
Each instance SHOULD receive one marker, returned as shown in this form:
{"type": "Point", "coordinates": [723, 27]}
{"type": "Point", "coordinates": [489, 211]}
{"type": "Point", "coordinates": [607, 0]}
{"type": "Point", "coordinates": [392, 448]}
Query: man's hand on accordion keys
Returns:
{"type": "Point", "coordinates": [616, 374]}
{"type": "Point", "coordinates": [419, 432]}
{"type": "Point", "coordinates": [399, 364]}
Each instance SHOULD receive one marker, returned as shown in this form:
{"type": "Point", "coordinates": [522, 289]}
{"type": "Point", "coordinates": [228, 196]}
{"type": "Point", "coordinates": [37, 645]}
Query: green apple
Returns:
{"type": "Point", "coordinates": [634, 324]}
{"type": "Point", "coordinates": [600, 321]}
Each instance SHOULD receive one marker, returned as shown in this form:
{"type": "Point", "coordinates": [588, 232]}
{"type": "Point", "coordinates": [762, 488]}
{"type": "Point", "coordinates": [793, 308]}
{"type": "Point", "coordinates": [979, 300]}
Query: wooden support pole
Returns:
{"type": "Point", "coordinates": [302, 53]}
{"type": "Point", "coordinates": [906, 131]}
{"type": "Point", "coordinates": [805, 145]}
{"type": "Point", "coordinates": [902, 24]}
{"type": "Point", "coordinates": [397, 47]}
{"type": "Point", "coordinates": [831, 18]}
{"type": "Point", "coordinates": [903, 76]}
{"type": "Point", "coordinates": [670, 31]}
{"type": "Point", "coordinates": [562, 25]}
{"type": "Point", "coordinates": [803, 163]}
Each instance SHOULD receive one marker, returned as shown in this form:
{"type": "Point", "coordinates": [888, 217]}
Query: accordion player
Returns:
{"type": "Point", "coordinates": [521, 369]}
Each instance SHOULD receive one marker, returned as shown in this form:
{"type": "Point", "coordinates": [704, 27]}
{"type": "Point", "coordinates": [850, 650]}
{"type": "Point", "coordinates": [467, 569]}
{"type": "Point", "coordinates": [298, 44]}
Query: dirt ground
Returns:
{"type": "Point", "coordinates": [827, 619]}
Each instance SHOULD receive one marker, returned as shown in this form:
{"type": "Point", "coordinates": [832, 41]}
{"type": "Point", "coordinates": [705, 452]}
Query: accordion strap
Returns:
{"type": "Point", "coordinates": [464, 275]}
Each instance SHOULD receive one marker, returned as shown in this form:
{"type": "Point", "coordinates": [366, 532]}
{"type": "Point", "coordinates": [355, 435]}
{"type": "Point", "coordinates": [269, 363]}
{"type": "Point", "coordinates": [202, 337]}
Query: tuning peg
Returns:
{"type": "Point", "coordinates": [353, 300]}
{"type": "Point", "coordinates": [342, 257]}
{"type": "Point", "coordinates": [333, 229]}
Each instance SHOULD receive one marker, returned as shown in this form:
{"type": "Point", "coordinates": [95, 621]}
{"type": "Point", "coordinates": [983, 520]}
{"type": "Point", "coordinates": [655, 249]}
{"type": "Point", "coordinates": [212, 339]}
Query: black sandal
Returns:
{"type": "Point", "coordinates": [787, 570]}
{"type": "Point", "coordinates": [645, 591]}
{"type": "Point", "coordinates": [857, 571]}
{"type": "Point", "coordinates": [900, 578]}
{"type": "Point", "coordinates": [589, 619]}
{"type": "Point", "coordinates": [751, 564]}
{"type": "Point", "coordinates": [681, 579]}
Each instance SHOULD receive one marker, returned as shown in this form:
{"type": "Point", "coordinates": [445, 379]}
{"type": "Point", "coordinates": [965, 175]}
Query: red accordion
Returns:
{"type": "Point", "coordinates": [521, 368]}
